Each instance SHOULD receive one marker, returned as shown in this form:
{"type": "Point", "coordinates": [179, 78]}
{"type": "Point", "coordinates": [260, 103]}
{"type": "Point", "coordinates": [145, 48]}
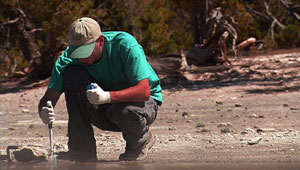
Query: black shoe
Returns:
{"type": "Point", "coordinates": [78, 155]}
{"type": "Point", "coordinates": [140, 153]}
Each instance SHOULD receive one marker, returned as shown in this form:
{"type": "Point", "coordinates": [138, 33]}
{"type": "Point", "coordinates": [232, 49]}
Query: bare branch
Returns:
{"type": "Point", "coordinates": [36, 29]}
{"type": "Point", "coordinates": [271, 29]}
{"type": "Point", "coordinates": [266, 6]}
{"type": "Point", "coordinates": [10, 22]}
{"type": "Point", "coordinates": [22, 12]}
{"type": "Point", "coordinates": [287, 6]}
{"type": "Point", "coordinates": [257, 13]}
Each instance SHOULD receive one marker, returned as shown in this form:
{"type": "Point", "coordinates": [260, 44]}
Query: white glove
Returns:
{"type": "Point", "coordinates": [47, 113]}
{"type": "Point", "coordinates": [97, 95]}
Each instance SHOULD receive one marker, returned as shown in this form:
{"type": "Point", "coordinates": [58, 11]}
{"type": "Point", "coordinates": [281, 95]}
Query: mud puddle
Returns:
{"type": "Point", "coordinates": [145, 166]}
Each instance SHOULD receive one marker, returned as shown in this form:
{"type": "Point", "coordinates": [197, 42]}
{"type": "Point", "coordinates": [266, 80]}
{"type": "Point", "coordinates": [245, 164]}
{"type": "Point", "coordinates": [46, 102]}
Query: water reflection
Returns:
{"type": "Point", "coordinates": [111, 165]}
{"type": "Point", "coordinates": [100, 165]}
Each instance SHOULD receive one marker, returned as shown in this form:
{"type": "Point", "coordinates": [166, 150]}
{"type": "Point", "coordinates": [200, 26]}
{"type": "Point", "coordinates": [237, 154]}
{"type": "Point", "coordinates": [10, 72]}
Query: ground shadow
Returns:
{"type": "Point", "coordinates": [18, 84]}
{"type": "Point", "coordinates": [265, 85]}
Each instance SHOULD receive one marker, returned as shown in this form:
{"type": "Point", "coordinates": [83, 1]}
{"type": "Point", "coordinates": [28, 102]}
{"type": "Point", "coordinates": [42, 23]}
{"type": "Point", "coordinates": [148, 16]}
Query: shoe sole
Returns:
{"type": "Point", "coordinates": [148, 146]}
{"type": "Point", "coordinates": [151, 143]}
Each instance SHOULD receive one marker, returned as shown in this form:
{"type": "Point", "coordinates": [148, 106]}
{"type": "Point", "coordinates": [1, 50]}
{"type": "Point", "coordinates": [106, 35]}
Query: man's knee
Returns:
{"type": "Point", "coordinates": [128, 117]}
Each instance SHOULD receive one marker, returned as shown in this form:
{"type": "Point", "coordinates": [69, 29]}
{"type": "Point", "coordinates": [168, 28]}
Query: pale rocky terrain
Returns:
{"type": "Point", "coordinates": [247, 114]}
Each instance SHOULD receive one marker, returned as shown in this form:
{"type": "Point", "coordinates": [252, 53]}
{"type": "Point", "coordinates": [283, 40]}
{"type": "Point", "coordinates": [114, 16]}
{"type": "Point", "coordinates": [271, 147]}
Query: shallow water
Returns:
{"type": "Point", "coordinates": [145, 166]}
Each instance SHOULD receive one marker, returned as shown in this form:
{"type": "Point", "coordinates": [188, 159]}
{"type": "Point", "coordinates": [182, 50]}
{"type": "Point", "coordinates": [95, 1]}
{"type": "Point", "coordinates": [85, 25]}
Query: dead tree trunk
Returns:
{"type": "Point", "coordinates": [213, 49]}
{"type": "Point", "coordinates": [30, 50]}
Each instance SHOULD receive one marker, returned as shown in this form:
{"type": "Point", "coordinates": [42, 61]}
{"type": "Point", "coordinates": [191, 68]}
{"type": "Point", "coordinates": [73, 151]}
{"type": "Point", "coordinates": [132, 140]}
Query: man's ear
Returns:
{"type": "Point", "coordinates": [102, 39]}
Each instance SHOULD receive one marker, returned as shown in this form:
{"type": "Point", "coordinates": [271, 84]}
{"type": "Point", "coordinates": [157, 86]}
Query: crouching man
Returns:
{"type": "Point", "coordinates": [124, 92]}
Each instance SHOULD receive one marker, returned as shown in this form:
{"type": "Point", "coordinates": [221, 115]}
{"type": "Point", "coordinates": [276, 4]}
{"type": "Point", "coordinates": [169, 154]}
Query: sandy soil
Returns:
{"type": "Point", "coordinates": [247, 114]}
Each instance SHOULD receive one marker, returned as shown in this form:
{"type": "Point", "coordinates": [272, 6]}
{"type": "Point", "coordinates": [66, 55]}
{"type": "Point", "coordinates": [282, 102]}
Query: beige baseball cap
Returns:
{"type": "Point", "coordinates": [82, 37]}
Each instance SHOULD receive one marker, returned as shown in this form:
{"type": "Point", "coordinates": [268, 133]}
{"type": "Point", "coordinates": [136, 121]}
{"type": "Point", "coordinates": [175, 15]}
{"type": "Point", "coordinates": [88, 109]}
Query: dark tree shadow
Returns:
{"type": "Point", "coordinates": [266, 85]}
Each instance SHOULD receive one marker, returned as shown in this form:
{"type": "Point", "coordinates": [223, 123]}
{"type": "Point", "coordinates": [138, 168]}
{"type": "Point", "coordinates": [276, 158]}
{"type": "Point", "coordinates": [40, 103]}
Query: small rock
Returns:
{"type": "Point", "coordinates": [204, 130]}
{"type": "Point", "coordinates": [254, 141]}
{"type": "Point", "coordinates": [219, 103]}
{"type": "Point", "coordinates": [225, 130]}
{"type": "Point", "coordinates": [249, 130]}
{"type": "Point", "coordinates": [244, 132]}
{"type": "Point", "coordinates": [237, 105]}
{"type": "Point", "coordinates": [286, 105]}
{"type": "Point", "coordinates": [60, 147]}
{"type": "Point", "coordinates": [199, 125]}
{"type": "Point", "coordinates": [170, 121]}
{"type": "Point", "coordinates": [172, 128]}
{"type": "Point", "coordinates": [22, 105]}
{"type": "Point", "coordinates": [294, 108]}
{"type": "Point", "coordinates": [228, 124]}
{"type": "Point", "coordinates": [259, 130]}
{"type": "Point", "coordinates": [25, 111]}
{"type": "Point", "coordinates": [185, 114]}
{"type": "Point", "coordinates": [29, 154]}
{"type": "Point", "coordinates": [256, 116]}
{"type": "Point", "coordinates": [172, 139]}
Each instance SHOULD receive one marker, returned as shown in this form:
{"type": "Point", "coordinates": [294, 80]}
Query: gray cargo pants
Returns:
{"type": "Point", "coordinates": [132, 119]}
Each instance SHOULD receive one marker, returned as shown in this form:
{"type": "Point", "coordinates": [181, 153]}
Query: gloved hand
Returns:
{"type": "Point", "coordinates": [97, 95]}
{"type": "Point", "coordinates": [47, 113]}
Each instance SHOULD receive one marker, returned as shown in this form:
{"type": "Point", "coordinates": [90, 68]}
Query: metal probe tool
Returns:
{"type": "Point", "coordinates": [52, 156]}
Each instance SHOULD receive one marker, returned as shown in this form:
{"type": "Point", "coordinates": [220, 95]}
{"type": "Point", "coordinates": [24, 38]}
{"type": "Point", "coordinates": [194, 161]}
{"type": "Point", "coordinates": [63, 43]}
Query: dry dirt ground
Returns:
{"type": "Point", "coordinates": [247, 114]}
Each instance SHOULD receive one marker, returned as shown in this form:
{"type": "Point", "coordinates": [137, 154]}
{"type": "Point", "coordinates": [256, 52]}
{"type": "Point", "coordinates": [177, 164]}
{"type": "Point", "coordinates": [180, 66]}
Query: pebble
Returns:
{"type": "Point", "coordinates": [203, 130]}
{"type": "Point", "coordinates": [259, 130]}
{"type": "Point", "coordinates": [254, 141]}
{"type": "Point", "coordinates": [286, 105]}
{"type": "Point", "coordinates": [238, 105]}
{"type": "Point", "coordinates": [185, 114]}
{"type": "Point", "coordinates": [25, 111]}
{"type": "Point", "coordinates": [22, 105]}
{"type": "Point", "coordinates": [256, 116]}
{"type": "Point", "coordinates": [228, 124]}
{"type": "Point", "coordinates": [219, 103]}
{"type": "Point", "coordinates": [199, 125]}
{"type": "Point", "coordinates": [172, 127]}
{"type": "Point", "coordinates": [225, 130]}
{"type": "Point", "coordinates": [247, 131]}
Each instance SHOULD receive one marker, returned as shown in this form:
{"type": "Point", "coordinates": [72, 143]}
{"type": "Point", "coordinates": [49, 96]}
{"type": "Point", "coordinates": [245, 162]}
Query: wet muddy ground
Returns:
{"type": "Point", "coordinates": [247, 117]}
{"type": "Point", "coordinates": [151, 166]}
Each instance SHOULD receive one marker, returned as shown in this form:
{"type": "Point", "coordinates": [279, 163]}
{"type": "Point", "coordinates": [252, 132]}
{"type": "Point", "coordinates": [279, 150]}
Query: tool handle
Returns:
{"type": "Point", "coordinates": [90, 87]}
{"type": "Point", "coordinates": [49, 104]}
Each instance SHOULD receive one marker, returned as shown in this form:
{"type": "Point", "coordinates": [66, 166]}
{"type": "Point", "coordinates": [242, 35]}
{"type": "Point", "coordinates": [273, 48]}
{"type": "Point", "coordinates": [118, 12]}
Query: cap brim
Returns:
{"type": "Point", "coordinates": [82, 51]}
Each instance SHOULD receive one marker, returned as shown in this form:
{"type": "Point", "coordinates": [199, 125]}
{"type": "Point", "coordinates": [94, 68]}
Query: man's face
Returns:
{"type": "Point", "coordinates": [94, 57]}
